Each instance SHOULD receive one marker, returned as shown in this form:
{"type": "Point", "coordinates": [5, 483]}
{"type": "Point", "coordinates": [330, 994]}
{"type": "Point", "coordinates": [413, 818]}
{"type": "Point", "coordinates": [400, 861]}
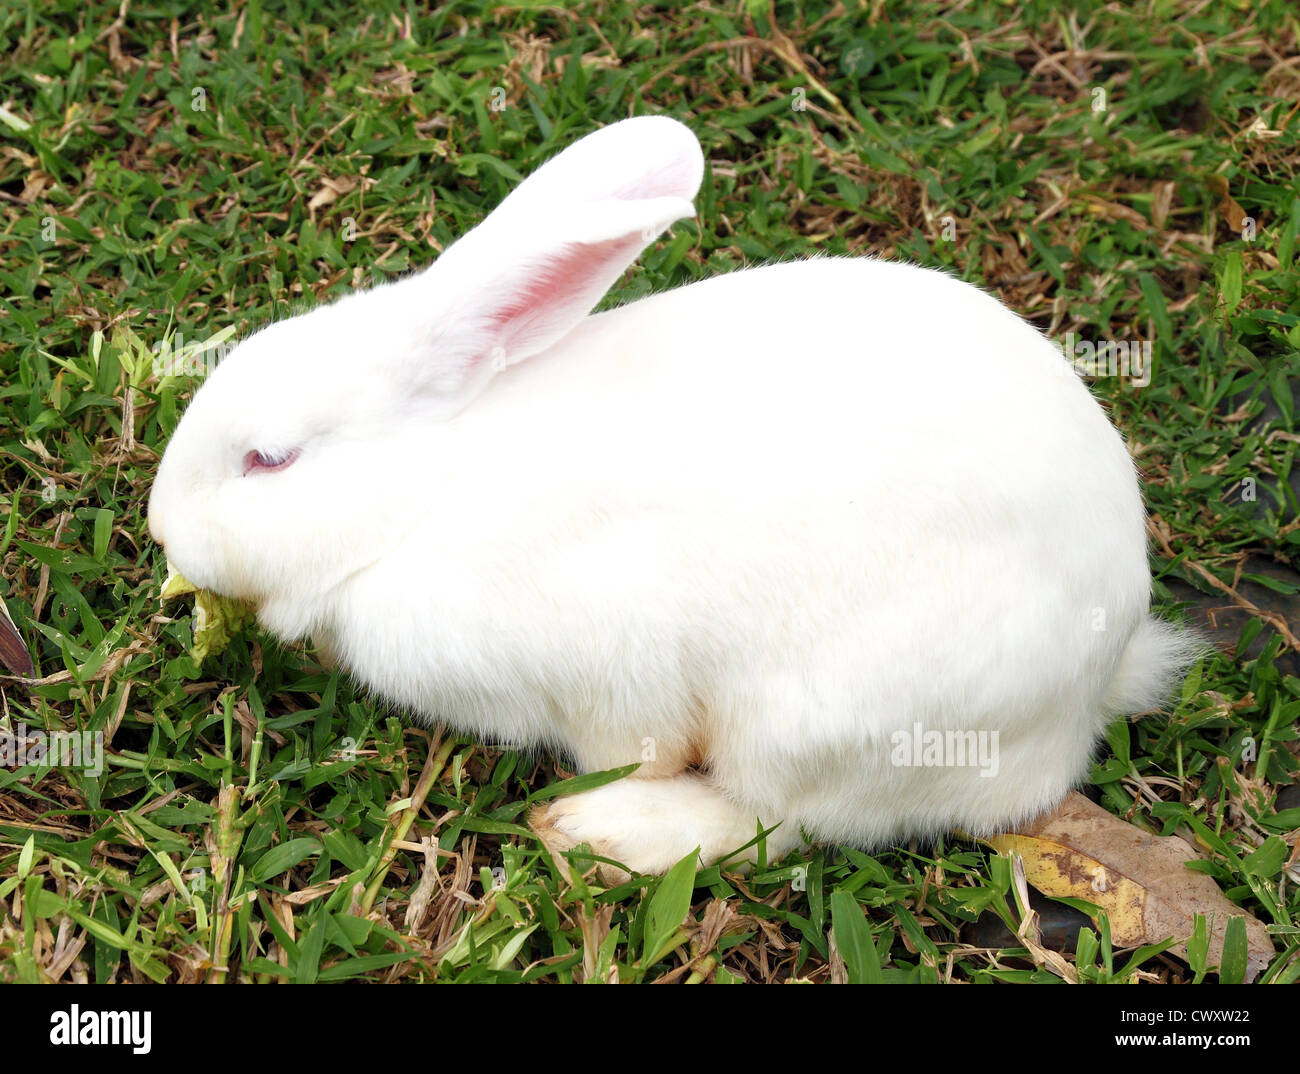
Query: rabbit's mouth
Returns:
{"type": "Point", "coordinates": [216, 618]}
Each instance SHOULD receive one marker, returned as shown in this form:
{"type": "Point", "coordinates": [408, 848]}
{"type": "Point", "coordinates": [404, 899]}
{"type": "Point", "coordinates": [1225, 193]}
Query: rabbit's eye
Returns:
{"type": "Point", "coordinates": [266, 462]}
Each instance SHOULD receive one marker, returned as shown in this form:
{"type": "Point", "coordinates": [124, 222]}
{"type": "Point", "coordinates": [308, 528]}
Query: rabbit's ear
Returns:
{"type": "Point", "coordinates": [645, 157]}
{"type": "Point", "coordinates": [537, 266]}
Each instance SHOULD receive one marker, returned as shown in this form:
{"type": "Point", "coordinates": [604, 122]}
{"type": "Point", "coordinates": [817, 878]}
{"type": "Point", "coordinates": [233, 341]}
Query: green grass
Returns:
{"type": "Point", "coordinates": [971, 137]}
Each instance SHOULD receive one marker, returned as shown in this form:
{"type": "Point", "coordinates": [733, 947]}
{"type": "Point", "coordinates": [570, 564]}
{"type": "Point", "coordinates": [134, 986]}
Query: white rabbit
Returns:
{"type": "Point", "coordinates": [767, 533]}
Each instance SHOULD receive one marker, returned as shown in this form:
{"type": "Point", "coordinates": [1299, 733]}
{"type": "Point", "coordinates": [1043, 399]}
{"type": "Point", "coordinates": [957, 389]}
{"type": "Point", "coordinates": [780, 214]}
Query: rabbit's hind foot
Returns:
{"type": "Point", "coordinates": [649, 825]}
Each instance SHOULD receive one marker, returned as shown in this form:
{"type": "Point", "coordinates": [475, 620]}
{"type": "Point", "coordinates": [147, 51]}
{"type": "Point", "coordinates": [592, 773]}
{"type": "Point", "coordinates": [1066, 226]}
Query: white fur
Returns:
{"type": "Point", "coordinates": [759, 524]}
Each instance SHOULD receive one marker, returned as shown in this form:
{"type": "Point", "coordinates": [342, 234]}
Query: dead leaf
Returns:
{"type": "Point", "coordinates": [1161, 202]}
{"type": "Point", "coordinates": [1142, 881]}
{"type": "Point", "coordinates": [13, 650]}
{"type": "Point", "coordinates": [25, 159]}
{"type": "Point", "coordinates": [1029, 933]}
{"type": "Point", "coordinates": [718, 917]}
{"type": "Point", "coordinates": [1233, 214]}
{"type": "Point", "coordinates": [424, 891]}
{"type": "Point", "coordinates": [35, 185]}
{"type": "Point", "coordinates": [331, 190]}
{"type": "Point", "coordinates": [1112, 209]}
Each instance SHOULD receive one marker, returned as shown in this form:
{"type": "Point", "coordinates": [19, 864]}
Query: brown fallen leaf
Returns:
{"type": "Point", "coordinates": [13, 650]}
{"type": "Point", "coordinates": [1142, 881]}
{"type": "Point", "coordinates": [35, 185]}
{"type": "Point", "coordinates": [1162, 201]}
{"type": "Point", "coordinates": [331, 190]}
{"type": "Point", "coordinates": [1233, 214]}
{"type": "Point", "coordinates": [1114, 210]}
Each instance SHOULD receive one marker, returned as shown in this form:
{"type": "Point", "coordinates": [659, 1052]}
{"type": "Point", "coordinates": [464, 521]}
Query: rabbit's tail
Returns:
{"type": "Point", "coordinates": [1153, 665]}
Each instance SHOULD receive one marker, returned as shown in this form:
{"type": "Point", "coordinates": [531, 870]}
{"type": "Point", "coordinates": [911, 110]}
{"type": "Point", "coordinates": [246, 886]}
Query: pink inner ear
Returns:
{"type": "Point", "coordinates": [561, 290]}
